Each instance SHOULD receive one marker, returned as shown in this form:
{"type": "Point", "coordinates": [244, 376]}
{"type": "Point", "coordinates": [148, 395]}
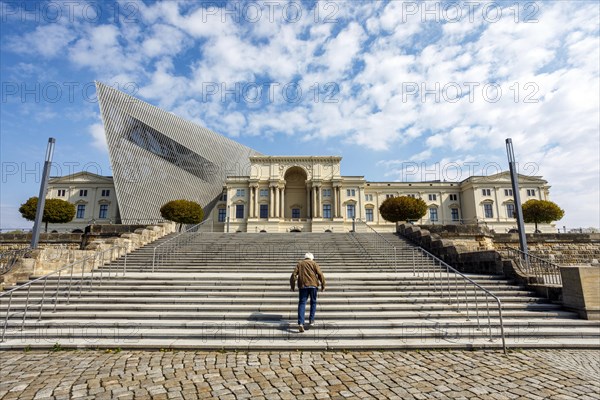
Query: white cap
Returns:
{"type": "Point", "coordinates": [309, 256]}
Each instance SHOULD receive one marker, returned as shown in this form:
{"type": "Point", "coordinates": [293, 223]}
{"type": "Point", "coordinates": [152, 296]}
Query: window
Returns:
{"type": "Point", "coordinates": [350, 210]}
{"type": "Point", "coordinates": [326, 210]}
{"type": "Point", "coordinates": [454, 213]}
{"type": "Point", "coordinates": [103, 214]}
{"type": "Point", "coordinates": [389, 196]}
{"type": "Point", "coordinates": [105, 192]}
{"type": "Point", "coordinates": [369, 214]}
{"type": "Point", "coordinates": [351, 192]}
{"type": "Point", "coordinates": [326, 192]}
{"type": "Point", "coordinates": [432, 197]}
{"type": "Point", "coordinates": [240, 193]}
{"type": "Point", "coordinates": [239, 210]}
{"type": "Point", "coordinates": [83, 193]}
{"type": "Point", "coordinates": [80, 211]}
{"type": "Point", "coordinates": [531, 192]}
{"type": "Point", "coordinates": [486, 192]}
{"type": "Point", "coordinates": [510, 210]}
{"type": "Point", "coordinates": [368, 197]}
{"type": "Point", "coordinates": [222, 214]}
{"type": "Point", "coordinates": [264, 211]}
{"type": "Point", "coordinates": [61, 192]}
{"type": "Point", "coordinates": [433, 215]}
{"type": "Point", "coordinates": [295, 213]}
{"type": "Point", "coordinates": [508, 192]}
{"type": "Point", "coordinates": [264, 192]}
{"type": "Point", "coordinates": [488, 211]}
{"type": "Point", "coordinates": [453, 197]}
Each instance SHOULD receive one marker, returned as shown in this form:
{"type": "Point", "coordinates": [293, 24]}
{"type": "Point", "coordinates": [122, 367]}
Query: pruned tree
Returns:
{"type": "Point", "coordinates": [541, 211]}
{"type": "Point", "coordinates": [403, 208]}
{"type": "Point", "coordinates": [182, 212]}
{"type": "Point", "coordinates": [56, 211]}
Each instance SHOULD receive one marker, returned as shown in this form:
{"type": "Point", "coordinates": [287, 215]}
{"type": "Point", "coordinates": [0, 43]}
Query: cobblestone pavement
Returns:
{"type": "Point", "coordinates": [530, 374]}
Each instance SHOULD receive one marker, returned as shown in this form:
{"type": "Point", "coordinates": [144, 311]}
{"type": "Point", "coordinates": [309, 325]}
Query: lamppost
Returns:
{"type": "Point", "coordinates": [39, 212]}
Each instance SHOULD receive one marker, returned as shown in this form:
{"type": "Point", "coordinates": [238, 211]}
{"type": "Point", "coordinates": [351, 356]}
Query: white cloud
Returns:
{"type": "Point", "coordinates": [96, 131]}
{"type": "Point", "coordinates": [46, 40]}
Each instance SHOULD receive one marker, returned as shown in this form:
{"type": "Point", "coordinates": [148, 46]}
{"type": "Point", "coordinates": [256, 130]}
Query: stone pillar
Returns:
{"type": "Point", "coordinates": [251, 203]}
{"type": "Point", "coordinates": [580, 290]}
{"type": "Point", "coordinates": [308, 197]}
{"type": "Point", "coordinates": [256, 196]}
{"type": "Point", "coordinates": [359, 212]}
{"type": "Point", "coordinates": [271, 201]}
{"type": "Point", "coordinates": [282, 201]}
{"type": "Point", "coordinates": [277, 193]}
{"type": "Point", "coordinates": [314, 203]}
{"type": "Point", "coordinates": [319, 202]}
{"type": "Point", "coordinates": [334, 201]}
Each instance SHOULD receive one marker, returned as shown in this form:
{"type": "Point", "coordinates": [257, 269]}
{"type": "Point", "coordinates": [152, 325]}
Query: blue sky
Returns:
{"type": "Point", "coordinates": [392, 87]}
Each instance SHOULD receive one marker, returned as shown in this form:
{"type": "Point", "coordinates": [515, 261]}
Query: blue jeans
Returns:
{"type": "Point", "coordinates": [302, 298]}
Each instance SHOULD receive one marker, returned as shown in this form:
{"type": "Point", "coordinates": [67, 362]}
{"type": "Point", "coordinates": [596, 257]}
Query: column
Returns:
{"type": "Point", "coordinates": [359, 212]}
{"type": "Point", "coordinates": [256, 195]}
{"type": "Point", "coordinates": [496, 203]}
{"type": "Point", "coordinates": [339, 199]}
{"type": "Point", "coordinates": [251, 202]}
{"type": "Point", "coordinates": [308, 208]}
{"type": "Point", "coordinates": [282, 196]}
{"type": "Point", "coordinates": [276, 202]}
{"type": "Point", "coordinates": [319, 202]}
{"type": "Point", "coordinates": [334, 201]}
{"type": "Point", "coordinates": [271, 201]}
{"type": "Point", "coordinates": [442, 215]}
{"type": "Point", "coordinates": [315, 212]}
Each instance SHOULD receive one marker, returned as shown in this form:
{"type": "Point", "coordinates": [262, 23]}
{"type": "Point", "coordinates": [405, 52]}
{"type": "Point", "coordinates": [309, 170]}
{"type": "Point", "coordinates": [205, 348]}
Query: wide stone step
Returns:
{"type": "Point", "coordinates": [291, 306]}
{"type": "Point", "coordinates": [271, 301]}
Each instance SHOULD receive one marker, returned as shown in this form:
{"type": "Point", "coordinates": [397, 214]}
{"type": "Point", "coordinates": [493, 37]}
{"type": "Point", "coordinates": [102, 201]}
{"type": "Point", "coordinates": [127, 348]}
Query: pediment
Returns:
{"type": "Point", "coordinates": [82, 177]}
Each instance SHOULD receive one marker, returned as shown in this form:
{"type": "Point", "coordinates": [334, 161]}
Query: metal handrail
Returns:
{"type": "Point", "coordinates": [440, 282]}
{"type": "Point", "coordinates": [9, 258]}
{"type": "Point", "coordinates": [164, 250]}
{"type": "Point", "coordinates": [543, 271]}
{"type": "Point", "coordinates": [380, 244]}
{"type": "Point", "coordinates": [66, 292]}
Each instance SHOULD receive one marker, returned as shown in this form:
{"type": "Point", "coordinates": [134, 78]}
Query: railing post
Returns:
{"type": "Point", "coordinates": [6, 316]}
{"type": "Point", "coordinates": [43, 298]}
{"type": "Point", "coordinates": [26, 307]}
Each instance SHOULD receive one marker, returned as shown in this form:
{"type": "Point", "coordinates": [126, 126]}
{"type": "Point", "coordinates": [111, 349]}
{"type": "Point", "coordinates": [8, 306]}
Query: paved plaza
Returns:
{"type": "Point", "coordinates": [97, 374]}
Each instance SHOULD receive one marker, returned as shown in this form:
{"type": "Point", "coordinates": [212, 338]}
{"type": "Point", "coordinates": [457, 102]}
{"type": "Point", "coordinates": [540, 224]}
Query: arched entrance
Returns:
{"type": "Point", "coordinates": [295, 194]}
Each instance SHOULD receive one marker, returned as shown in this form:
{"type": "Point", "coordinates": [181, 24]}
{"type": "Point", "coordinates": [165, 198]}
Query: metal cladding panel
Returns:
{"type": "Point", "coordinates": [157, 157]}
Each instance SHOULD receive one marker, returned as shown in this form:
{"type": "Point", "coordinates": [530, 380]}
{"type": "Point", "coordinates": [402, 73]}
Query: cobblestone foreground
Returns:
{"type": "Point", "coordinates": [531, 374]}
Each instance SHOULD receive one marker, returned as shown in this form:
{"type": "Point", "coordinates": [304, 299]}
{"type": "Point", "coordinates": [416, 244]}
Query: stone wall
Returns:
{"type": "Point", "coordinates": [14, 241]}
{"type": "Point", "coordinates": [468, 253]}
{"type": "Point", "coordinates": [562, 249]}
{"type": "Point", "coordinates": [99, 251]}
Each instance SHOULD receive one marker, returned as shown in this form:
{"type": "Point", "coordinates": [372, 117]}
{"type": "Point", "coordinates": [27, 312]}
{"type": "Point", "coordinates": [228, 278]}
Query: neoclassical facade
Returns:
{"type": "Point", "coordinates": [309, 194]}
{"type": "Point", "coordinates": [93, 196]}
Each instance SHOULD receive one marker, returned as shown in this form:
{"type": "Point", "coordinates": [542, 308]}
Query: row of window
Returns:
{"type": "Point", "coordinates": [102, 213]}
{"type": "Point", "coordinates": [507, 192]}
{"type": "Point", "coordinates": [83, 192]}
{"type": "Point", "coordinates": [350, 212]}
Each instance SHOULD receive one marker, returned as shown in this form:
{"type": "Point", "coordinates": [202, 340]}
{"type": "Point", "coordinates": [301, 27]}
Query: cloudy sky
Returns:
{"type": "Point", "coordinates": [401, 90]}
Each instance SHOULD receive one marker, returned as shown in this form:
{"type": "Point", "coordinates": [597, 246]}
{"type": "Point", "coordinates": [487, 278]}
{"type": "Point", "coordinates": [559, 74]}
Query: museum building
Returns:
{"type": "Point", "coordinates": [157, 157]}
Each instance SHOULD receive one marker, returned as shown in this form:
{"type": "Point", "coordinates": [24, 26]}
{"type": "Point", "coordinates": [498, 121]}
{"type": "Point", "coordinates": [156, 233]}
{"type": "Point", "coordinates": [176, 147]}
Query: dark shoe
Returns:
{"type": "Point", "coordinates": [300, 328]}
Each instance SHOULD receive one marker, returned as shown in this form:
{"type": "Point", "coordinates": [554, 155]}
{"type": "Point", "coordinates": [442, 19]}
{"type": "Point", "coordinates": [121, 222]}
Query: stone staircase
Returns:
{"type": "Point", "coordinates": [232, 291]}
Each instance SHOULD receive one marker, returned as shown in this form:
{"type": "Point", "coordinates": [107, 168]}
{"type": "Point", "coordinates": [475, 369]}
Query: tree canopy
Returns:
{"type": "Point", "coordinates": [541, 211]}
{"type": "Point", "coordinates": [182, 212]}
{"type": "Point", "coordinates": [56, 211]}
{"type": "Point", "coordinates": [403, 208]}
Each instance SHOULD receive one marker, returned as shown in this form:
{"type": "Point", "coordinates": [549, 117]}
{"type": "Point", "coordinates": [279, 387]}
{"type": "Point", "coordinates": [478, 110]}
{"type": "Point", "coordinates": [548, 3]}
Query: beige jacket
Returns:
{"type": "Point", "coordinates": [308, 273]}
